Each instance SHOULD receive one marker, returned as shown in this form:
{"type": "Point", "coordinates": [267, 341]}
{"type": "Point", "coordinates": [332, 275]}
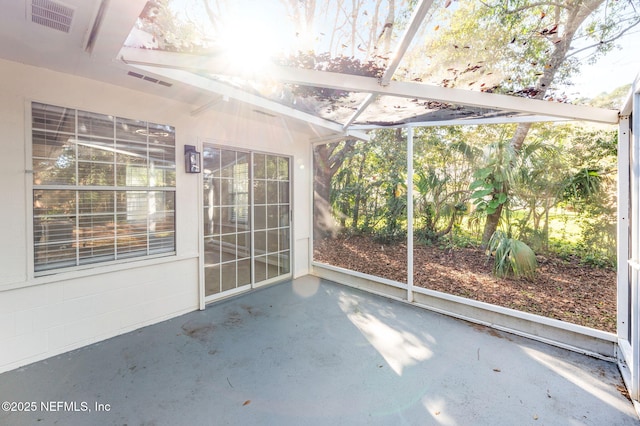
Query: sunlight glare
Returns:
{"type": "Point", "coordinates": [399, 348]}
{"type": "Point", "coordinates": [250, 41]}
{"type": "Point", "coordinates": [573, 374]}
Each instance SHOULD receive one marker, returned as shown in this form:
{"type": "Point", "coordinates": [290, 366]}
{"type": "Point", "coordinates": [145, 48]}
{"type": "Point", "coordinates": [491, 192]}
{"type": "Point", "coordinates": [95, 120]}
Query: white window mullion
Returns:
{"type": "Point", "coordinates": [77, 226]}
{"type": "Point", "coordinates": [77, 185]}
{"type": "Point", "coordinates": [115, 192]}
{"type": "Point", "coordinates": [149, 184]}
{"type": "Point", "coordinates": [410, 214]}
{"type": "Point", "coordinates": [252, 220]}
{"type": "Point", "coordinates": [115, 224]}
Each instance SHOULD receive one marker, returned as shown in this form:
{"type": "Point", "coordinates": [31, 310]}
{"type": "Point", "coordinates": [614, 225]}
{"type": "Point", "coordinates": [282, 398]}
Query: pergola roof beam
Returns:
{"type": "Point", "coordinates": [338, 137]}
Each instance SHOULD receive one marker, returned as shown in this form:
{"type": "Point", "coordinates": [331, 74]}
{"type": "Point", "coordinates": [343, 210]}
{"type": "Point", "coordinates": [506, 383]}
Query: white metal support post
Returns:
{"type": "Point", "coordinates": [629, 245]}
{"type": "Point", "coordinates": [623, 255]}
{"type": "Point", "coordinates": [628, 324]}
{"type": "Point", "coordinates": [634, 261]}
{"type": "Point", "coordinates": [410, 214]}
{"type": "Point", "coordinates": [627, 253]}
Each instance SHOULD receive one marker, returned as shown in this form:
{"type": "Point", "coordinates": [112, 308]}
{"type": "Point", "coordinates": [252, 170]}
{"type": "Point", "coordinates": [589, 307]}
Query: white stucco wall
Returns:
{"type": "Point", "coordinates": [44, 316]}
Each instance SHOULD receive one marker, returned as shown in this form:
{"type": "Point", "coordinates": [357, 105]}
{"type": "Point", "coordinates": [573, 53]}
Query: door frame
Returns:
{"type": "Point", "coordinates": [203, 299]}
{"type": "Point", "coordinates": [628, 275]}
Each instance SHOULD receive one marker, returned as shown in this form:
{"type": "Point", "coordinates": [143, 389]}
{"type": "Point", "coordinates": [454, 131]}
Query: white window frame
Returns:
{"type": "Point", "coordinates": [149, 189]}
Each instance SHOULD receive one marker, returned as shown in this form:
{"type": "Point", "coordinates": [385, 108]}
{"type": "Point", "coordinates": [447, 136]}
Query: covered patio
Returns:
{"type": "Point", "coordinates": [158, 256]}
{"type": "Point", "coordinates": [310, 351]}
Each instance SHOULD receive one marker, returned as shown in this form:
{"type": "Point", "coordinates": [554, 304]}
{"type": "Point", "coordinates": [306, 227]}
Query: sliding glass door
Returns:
{"type": "Point", "coordinates": [246, 214]}
{"type": "Point", "coordinates": [271, 206]}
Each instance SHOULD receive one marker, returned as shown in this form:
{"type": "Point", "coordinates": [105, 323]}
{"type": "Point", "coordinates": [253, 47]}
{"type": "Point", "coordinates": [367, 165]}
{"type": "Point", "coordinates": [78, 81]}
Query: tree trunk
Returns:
{"type": "Point", "coordinates": [387, 30]}
{"type": "Point", "coordinates": [323, 225]}
{"type": "Point", "coordinates": [359, 197]}
{"type": "Point", "coordinates": [546, 225]}
{"type": "Point", "coordinates": [561, 45]}
{"type": "Point", "coordinates": [327, 160]}
{"type": "Point", "coordinates": [490, 225]}
{"type": "Point", "coordinates": [493, 219]}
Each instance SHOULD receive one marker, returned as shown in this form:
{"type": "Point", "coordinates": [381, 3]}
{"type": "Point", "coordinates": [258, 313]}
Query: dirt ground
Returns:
{"type": "Point", "coordinates": [564, 290]}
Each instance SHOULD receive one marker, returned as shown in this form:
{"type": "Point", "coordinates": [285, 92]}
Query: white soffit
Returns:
{"type": "Point", "coordinates": [306, 77]}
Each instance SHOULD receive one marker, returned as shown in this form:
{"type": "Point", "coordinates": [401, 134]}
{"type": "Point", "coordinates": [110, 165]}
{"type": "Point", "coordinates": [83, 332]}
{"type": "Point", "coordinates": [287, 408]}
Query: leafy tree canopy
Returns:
{"type": "Point", "coordinates": [522, 47]}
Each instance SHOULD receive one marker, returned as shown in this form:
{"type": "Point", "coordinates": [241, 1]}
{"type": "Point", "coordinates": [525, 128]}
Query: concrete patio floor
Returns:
{"type": "Point", "coordinates": [312, 352]}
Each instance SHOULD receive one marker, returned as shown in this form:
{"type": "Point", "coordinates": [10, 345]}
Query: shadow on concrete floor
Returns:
{"type": "Point", "coordinates": [312, 352]}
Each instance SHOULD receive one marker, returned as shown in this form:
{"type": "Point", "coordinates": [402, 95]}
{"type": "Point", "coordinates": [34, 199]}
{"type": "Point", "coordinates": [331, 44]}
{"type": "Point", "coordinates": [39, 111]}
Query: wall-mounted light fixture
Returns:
{"type": "Point", "coordinates": [191, 159]}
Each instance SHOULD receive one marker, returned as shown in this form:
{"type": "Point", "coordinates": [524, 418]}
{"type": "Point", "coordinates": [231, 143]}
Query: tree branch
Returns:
{"type": "Point", "coordinates": [609, 40]}
{"type": "Point", "coordinates": [529, 6]}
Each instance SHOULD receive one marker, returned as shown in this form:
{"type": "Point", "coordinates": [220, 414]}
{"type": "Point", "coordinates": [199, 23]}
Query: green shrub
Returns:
{"type": "Point", "coordinates": [511, 256]}
{"type": "Point", "coordinates": [597, 261]}
{"type": "Point", "coordinates": [587, 254]}
{"type": "Point", "coordinates": [561, 248]}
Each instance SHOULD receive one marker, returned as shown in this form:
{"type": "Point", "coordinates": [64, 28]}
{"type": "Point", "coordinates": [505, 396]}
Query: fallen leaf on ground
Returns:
{"type": "Point", "coordinates": [562, 289]}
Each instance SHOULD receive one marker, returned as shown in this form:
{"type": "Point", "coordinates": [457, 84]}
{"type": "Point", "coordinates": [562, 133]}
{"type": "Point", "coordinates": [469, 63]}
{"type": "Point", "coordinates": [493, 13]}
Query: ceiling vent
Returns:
{"type": "Point", "coordinates": [52, 14]}
{"type": "Point", "coordinates": [149, 79]}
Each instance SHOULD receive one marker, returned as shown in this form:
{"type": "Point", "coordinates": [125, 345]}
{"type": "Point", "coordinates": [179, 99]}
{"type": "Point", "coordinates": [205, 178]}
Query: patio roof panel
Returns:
{"type": "Point", "coordinates": [304, 90]}
{"type": "Point", "coordinates": [314, 67]}
{"type": "Point", "coordinates": [397, 111]}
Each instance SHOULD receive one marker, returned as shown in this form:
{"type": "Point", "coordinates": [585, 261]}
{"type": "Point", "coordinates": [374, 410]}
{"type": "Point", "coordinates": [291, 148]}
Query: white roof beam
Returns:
{"type": "Point", "coordinates": [446, 94]}
{"type": "Point", "coordinates": [339, 137]}
{"type": "Point", "coordinates": [370, 98]}
{"type": "Point", "coordinates": [627, 107]}
{"type": "Point", "coordinates": [108, 36]}
{"type": "Point", "coordinates": [231, 93]}
{"type": "Point", "coordinates": [461, 121]}
{"type": "Point", "coordinates": [212, 103]}
{"type": "Point", "coordinates": [356, 83]}
{"type": "Point", "coordinates": [416, 20]}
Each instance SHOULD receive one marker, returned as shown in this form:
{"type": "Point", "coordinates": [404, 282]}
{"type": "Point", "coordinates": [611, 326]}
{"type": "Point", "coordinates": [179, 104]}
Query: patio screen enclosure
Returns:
{"type": "Point", "coordinates": [244, 212]}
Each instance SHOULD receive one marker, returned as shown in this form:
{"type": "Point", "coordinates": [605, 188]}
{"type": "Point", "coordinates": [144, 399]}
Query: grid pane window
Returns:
{"type": "Point", "coordinates": [103, 188]}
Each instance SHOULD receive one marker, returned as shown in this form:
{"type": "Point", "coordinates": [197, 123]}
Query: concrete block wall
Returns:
{"type": "Point", "coordinates": [45, 316]}
{"type": "Point", "coordinates": [44, 320]}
